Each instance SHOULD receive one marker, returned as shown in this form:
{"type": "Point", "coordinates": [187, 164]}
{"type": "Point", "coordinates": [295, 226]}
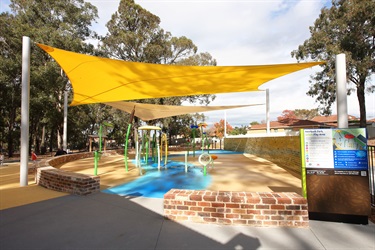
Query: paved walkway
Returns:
{"type": "Point", "coordinates": [36, 218]}
{"type": "Point", "coordinates": [105, 221]}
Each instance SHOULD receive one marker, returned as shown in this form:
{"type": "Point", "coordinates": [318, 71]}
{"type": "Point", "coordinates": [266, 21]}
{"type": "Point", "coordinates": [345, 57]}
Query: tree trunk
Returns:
{"type": "Point", "coordinates": [10, 142]}
{"type": "Point", "coordinates": [362, 103]}
{"type": "Point", "coordinates": [59, 141]}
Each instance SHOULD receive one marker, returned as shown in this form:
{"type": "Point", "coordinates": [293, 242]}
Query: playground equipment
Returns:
{"type": "Point", "coordinates": [97, 154]}
{"type": "Point", "coordinates": [205, 159]}
{"type": "Point", "coordinates": [127, 139]}
{"type": "Point", "coordinates": [203, 134]}
{"type": "Point", "coordinates": [193, 127]}
{"type": "Point", "coordinates": [164, 142]}
{"type": "Point", "coordinates": [145, 144]}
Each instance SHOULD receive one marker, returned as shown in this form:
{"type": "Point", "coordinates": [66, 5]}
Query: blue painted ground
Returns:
{"type": "Point", "coordinates": [155, 183]}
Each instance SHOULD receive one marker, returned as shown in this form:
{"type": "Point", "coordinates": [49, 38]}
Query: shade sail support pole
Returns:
{"type": "Point", "coordinates": [25, 111]}
{"type": "Point", "coordinates": [341, 92]}
{"type": "Point", "coordinates": [65, 136]}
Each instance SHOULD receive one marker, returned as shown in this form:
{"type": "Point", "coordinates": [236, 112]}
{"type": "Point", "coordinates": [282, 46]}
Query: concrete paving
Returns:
{"type": "Point", "coordinates": [106, 221]}
{"type": "Point", "coordinates": [33, 217]}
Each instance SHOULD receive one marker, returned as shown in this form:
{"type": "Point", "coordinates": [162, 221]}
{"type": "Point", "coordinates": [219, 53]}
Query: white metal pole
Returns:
{"type": "Point", "coordinates": [65, 135]}
{"type": "Point", "coordinates": [341, 92]}
{"type": "Point", "coordinates": [268, 110]}
{"type": "Point", "coordinates": [25, 103]}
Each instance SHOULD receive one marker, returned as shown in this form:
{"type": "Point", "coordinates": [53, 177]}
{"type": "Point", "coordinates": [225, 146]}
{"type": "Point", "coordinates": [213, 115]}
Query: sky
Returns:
{"type": "Point", "coordinates": [244, 32]}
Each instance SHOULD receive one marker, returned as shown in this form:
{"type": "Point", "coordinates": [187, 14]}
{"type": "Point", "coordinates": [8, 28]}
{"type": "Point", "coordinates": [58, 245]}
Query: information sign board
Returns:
{"type": "Point", "coordinates": [335, 149]}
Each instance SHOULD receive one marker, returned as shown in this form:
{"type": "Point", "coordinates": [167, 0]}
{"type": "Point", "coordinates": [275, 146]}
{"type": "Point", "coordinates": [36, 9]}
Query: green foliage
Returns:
{"type": "Point", "coordinates": [239, 131]}
{"type": "Point", "coordinates": [347, 27]}
{"type": "Point", "coordinates": [303, 114]}
{"type": "Point", "coordinates": [306, 114]}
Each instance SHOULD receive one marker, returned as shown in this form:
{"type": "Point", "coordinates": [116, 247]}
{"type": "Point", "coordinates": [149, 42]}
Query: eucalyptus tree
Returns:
{"type": "Point", "coordinates": [348, 26]}
{"type": "Point", "coordinates": [134, 34]}
{"type": "Point", "coordinates": [10, 81]}
{"type": "Point", "coordinates": [60, 23]}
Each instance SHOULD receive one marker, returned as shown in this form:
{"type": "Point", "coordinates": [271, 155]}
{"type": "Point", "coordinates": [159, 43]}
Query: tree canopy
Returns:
{"type": "Point", "coordinates": [64, 24]}
{"type": "Point", "coordinates": [133, 34]}
{"type": "Point", "coordinates": [303, 114]}
{"type": "Point", "coordinates": [348, 26]}
{"type": "Point", "coordinates": [218, 130]}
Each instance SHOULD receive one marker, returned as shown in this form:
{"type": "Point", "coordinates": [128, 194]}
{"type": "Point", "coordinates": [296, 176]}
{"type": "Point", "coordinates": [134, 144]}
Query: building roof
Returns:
{"type": "Point", "coordinates": [332, 118]}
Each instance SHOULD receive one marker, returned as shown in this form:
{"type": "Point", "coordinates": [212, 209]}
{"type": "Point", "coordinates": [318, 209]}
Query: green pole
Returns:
{"type": "Point", "coordinates": [126, 147]}
{"type": "Point", "coordinates": [100, 138]}
{"type": "Point", "coordinates": [303, 170]}
{"type": "Point", "coordinates": [96, 160]}
{"type": "Point", "coordinates": [202, 135]}
{"type": "Point", "coordinates": [204, 170]}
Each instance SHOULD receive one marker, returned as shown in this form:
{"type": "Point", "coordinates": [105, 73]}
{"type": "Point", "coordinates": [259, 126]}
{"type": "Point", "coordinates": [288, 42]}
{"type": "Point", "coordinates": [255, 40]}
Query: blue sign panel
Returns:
{"type": "Point", "coordinates": [350, 149]}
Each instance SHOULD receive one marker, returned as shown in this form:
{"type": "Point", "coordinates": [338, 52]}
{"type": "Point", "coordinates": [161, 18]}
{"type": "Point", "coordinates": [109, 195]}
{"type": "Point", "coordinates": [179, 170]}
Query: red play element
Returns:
{"type": "Point", "coordinates": [349, 136]}
{"type": "Point", "coordinates": [214, 157]}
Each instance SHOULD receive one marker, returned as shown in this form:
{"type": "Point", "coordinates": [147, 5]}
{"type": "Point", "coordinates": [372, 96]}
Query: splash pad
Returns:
{"type": "Point", "coordinates": [155, 183]}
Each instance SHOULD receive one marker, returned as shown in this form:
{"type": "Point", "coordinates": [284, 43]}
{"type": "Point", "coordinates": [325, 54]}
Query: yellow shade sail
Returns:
{"type": "Point", "coordinates": [147, 112]}
{"type": "Point", "coordinates": [98, 80]}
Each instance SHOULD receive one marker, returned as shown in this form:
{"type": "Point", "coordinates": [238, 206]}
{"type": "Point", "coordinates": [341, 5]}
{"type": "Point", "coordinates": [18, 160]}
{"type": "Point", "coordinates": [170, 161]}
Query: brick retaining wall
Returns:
{"type": "Point", "coordinates": [49, 175]}
{"type": "Point", "coordinates": [267, 209]}
{"type": "Point", "coordinates": [69, 182]}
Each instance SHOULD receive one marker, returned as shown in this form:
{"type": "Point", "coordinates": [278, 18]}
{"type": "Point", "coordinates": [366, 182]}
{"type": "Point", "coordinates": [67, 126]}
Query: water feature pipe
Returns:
{"type": "Point", "coordinates": [193, 127]}
{"type": "Point", "coordinates": [186, 166]}
{"type": "Point", "coordinates": [145, 139]}
{"type": "Point", "coordinates": [127, 139]}
{"type": "Point", "coordinates": [202, 125]}
{"type": "Point", "coordinates": [205, 159]}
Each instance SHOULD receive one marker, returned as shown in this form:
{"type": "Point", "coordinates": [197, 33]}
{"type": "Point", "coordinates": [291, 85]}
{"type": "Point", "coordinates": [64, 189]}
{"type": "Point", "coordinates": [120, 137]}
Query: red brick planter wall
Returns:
{"type": "Point", "coordinates": [64, 181]}
{"type": "Point", "coordinates": [237, 208]}
{"type": "Point", "coordinates": [69, 182]}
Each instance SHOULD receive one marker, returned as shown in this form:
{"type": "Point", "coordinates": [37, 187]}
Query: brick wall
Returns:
{"type": "Point", "coordinates": [266, 209]}
{"type": "Point", "coordinates": [68, 182]}
{"type": "Point", "coordinates": [62, 159]}
{"type": "Point", "coordinates": [49, 176]}
{"type": "Point", "coordinates": [284, 151]}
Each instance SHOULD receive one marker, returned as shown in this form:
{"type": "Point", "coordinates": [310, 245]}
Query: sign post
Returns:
{"type": "Point", "coordinates": [336, 170]}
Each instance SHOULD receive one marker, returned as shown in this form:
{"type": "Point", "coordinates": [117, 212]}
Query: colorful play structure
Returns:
{"type": "Point", "coordinates": [152, 146]}
{"type": "Point", "coordinates": [149, 149]}
{"type": "Point", "coordinates": [148, 142]}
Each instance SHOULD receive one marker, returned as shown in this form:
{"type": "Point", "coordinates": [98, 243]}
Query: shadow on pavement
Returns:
{"type": "Point", "coordinates": [100, 221]}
